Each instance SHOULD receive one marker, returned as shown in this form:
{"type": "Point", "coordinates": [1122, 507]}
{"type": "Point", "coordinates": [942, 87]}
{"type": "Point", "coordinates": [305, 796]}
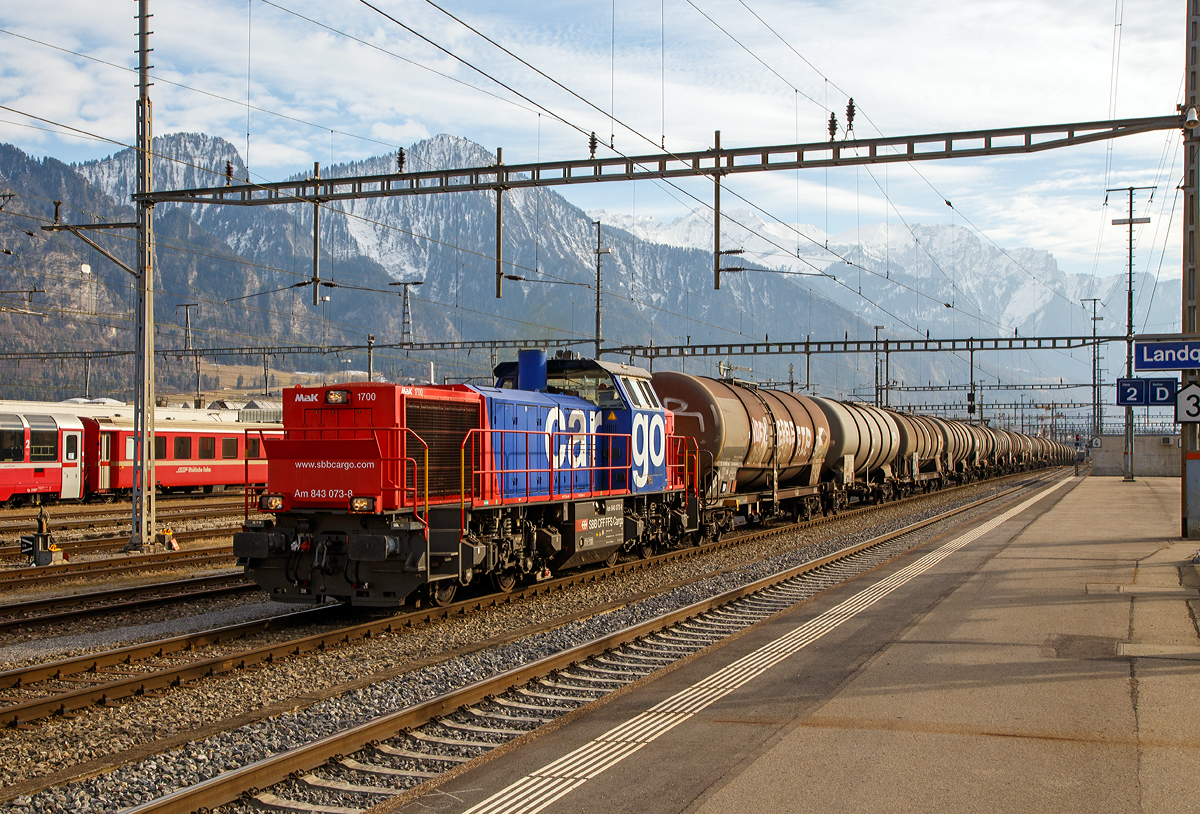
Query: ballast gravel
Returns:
{"type": "Point", "coordinates": [62, 646]}
{"type": "Point", "coordinates": [108, 731]}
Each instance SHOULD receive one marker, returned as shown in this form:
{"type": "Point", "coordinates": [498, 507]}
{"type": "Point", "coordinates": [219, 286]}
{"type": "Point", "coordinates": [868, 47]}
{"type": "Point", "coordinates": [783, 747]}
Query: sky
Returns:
{"type": "Point", "coordinates": [297, 81]}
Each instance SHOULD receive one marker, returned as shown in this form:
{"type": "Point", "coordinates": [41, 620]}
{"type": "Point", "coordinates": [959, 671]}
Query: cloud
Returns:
{"type": "Point", "coordinates": [663, 70]}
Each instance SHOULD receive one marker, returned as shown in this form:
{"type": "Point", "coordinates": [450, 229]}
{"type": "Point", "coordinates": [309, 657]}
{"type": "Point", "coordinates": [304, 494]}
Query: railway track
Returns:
{"type": "Point", "coordinates": [99, 543]}
{"type": "Point", "coordinates": [63, 609]}
{"type": "Point", "coordinates": [66, 516]}
{"type": "Point", "coordinates": [59, 687]}
{"type": "Point", "coordinates": [114, 566]}
{"type": "Point", "coordinates": [389, 756]}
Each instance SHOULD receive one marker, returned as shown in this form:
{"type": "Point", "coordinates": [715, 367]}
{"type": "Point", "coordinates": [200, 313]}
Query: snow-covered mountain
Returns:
{"type": "Point", "coordinates": [941, 279]}
{"type": "Point", "coordinates": [906, 278]}
{"type": "Point", "coordinates": [652, 291]}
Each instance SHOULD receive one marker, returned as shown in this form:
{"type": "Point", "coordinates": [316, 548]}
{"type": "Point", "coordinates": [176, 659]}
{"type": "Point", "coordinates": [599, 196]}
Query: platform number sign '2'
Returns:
{"type": "Point", "coordinates": [1187, 404]}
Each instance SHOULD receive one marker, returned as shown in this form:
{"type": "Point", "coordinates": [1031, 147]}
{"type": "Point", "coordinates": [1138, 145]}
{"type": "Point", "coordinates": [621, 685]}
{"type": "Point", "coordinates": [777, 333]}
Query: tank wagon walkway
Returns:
{"type": "Point", "coordinates": [1050, 663]}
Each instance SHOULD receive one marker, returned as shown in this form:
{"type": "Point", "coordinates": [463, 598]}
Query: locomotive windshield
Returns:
{"type": "Point", "coordinates": [594, 385]}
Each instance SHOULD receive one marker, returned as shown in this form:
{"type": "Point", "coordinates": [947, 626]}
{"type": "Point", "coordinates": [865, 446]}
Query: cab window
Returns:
{"type": "Point", "coordinates": [594, 385]}
{"type": "Point", "coordinates": [648, 392]}
{"type": "Point", "coordinates": [635, 395]}
{"type": "Point", "coordinates": [608, 397]}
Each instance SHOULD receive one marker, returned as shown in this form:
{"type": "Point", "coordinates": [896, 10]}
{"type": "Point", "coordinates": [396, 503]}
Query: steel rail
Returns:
{"type": "Point", "coordinates": [119, 507]}
{"type": "Point", "coordinates": [115, 540]}
{"type": "Point", "coordinates": [228, 787]}
{"type": "Point", "coordinates": [34, 575]}
{"type": "Point", "coordinates": [94, 603]}
{"type": "Point", "coordinates": [110, 518]}
{"type": "Point", "coordinates": [61, 703]}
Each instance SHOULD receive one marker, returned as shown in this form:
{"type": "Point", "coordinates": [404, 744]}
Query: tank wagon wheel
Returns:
{"type": "Point", "coordinates": [442, 592]}
{"type": "Point", "coordinates": [645, 550]}
{"type": "Point", "coordinates": [612, 559]}
{"type": "Point", "coordinates": [504, 581]}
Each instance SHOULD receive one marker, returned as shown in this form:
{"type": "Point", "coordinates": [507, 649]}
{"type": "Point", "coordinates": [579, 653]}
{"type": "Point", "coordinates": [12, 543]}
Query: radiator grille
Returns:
{"type": "Point", "coordinates": [442, 425]}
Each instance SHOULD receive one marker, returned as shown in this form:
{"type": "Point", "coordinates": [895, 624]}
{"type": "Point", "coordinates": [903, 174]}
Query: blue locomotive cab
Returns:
{"type": "Point", "coordinates": [630, 429]}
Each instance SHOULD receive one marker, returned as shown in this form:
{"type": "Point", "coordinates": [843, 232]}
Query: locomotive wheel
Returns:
{"type": "Point", "coordinates": [442, 592]}
{"type": "Point", "coordinates": [504, 581]}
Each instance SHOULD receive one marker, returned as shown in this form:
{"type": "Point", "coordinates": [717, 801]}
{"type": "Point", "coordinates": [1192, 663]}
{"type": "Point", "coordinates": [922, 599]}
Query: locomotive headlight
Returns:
{"type": "Point", "coordinates": [337, 396]}
{"type": "Point", "coordinates": [362, 504]}
{"type": "Point", "coordinates": [270, 503]}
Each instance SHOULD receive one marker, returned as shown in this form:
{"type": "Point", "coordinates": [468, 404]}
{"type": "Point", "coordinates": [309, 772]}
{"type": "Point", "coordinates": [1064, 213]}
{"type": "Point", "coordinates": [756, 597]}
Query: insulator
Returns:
{"type": "Point", "coordinates": [228, 173]}
{"type": "Point", "coordinates": [592, 143]}
{"type": "Point", "coordinates": [400, 159]}
{"type": "Point", "coordinates": [832, 126]}
{"type": "Point", "coordinates": [850, 114]}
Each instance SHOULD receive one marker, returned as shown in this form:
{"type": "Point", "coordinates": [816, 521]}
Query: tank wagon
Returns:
{"type": "Point", "coordinates": [382, 494]}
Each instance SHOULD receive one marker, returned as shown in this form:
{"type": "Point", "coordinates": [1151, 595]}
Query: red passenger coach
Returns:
{"type": "Point", "coordinates": [372, 448]}
{"type": "Point", "coordinates": [40, 457]}
{"type": "Point", "coordinates": [188, 455]}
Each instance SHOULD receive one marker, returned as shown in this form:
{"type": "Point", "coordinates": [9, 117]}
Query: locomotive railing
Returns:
{"type": "Point", "coordinates": [683, 464]}
{"type": "Point", "coordinates": [487, 446]}
{"type": "Point", "coordinates": [404, 489]}
{"type": "Point", "coordinates": [251, 491]}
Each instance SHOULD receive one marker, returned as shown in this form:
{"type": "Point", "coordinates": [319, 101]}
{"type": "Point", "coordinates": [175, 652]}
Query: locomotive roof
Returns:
{"type": "Point", "coordinates": [554, 366]}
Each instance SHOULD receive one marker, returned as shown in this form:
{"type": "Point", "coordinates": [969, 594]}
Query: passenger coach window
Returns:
{"type": "Point", "coordinates": [43, 438]}
{"type": "Point", "coordinates": [252, 448]}
{"type": "Point", "coordinates": [12, 439]}
{"type": "Point", "coordinates": [160, 448]}
{"type": "Point", "coordinates": [208, 447]}
{"type": "Point", "coordinates": [229, 448]}
{"type": "Point", "coordinates": [183, 448]}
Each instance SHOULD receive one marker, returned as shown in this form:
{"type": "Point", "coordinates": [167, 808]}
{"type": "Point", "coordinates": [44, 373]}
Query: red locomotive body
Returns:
{"type": "Point", "coordinates": [396, 447]}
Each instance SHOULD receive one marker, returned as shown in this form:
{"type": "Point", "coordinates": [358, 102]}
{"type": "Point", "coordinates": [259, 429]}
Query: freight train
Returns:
{"type": "Point", "coordinates": [382, 494]}
{"type": "Point", "coordinates": [53, 452]}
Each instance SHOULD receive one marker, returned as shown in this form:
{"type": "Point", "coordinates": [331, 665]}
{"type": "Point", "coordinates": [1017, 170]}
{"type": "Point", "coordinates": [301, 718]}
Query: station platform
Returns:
{"type": "Point", "coordinates": [1042, 658]}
